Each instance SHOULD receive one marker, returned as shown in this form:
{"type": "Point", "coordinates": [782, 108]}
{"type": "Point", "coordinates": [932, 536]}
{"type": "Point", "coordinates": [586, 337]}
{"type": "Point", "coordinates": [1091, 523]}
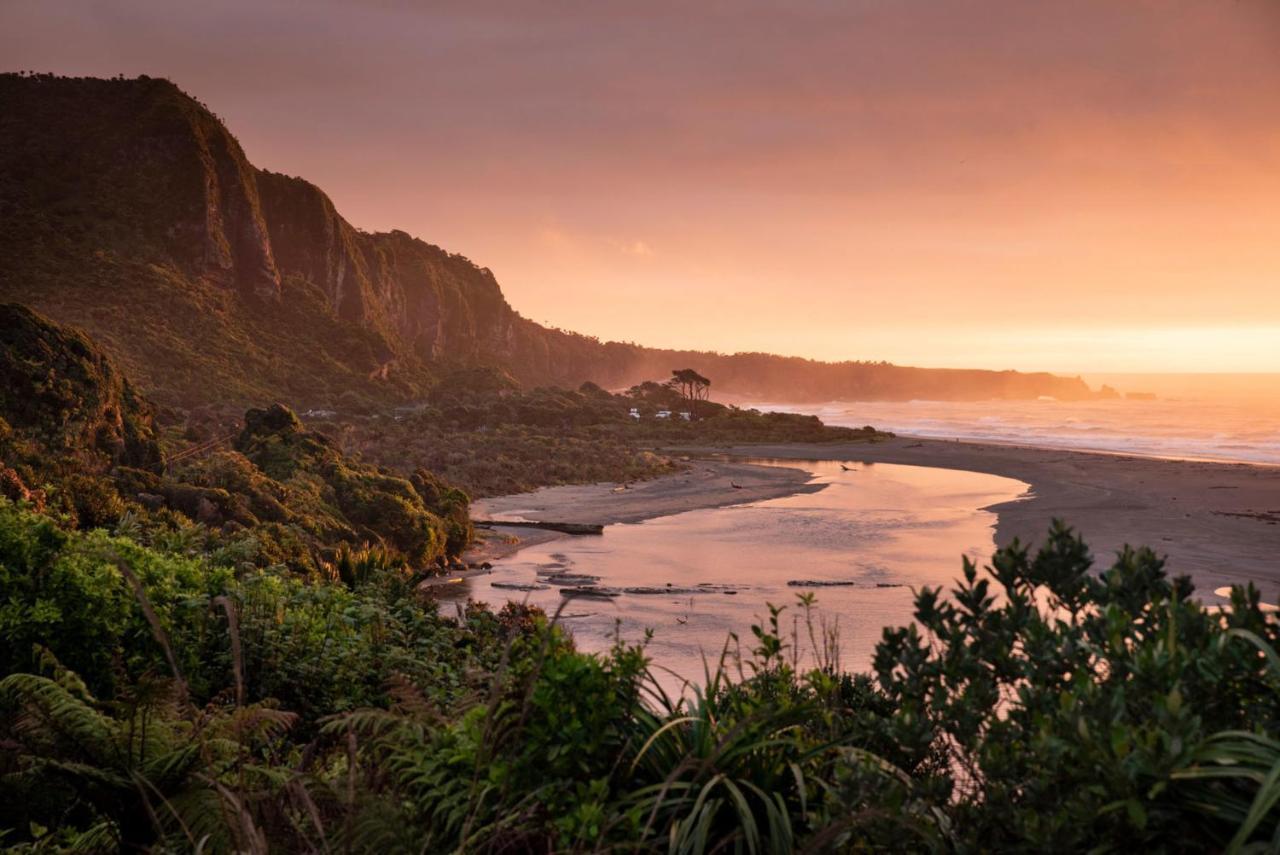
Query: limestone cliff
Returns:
{"type": "Point", "coordinates": [132, 211]}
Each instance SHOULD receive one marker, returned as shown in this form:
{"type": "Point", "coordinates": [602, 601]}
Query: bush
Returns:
{"type": "Point", "coordinates": [92, 499]}
{"type": "Point", "coordinates": [1037, 706]}
{"type": "Point", "coordinates": [1069, 702]}
{"type": "Point", "coordinates": [66, 592]}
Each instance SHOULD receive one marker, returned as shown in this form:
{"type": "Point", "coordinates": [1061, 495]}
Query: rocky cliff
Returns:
{"type": "Point", "coordinates": [131, 210]}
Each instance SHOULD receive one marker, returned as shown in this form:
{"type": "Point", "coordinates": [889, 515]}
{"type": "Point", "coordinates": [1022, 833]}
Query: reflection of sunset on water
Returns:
{"type": "Point", "coordinates": [859, 545]}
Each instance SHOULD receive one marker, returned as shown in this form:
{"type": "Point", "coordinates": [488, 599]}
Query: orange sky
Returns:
{"type": "Point", "coordinates": [1076, 185]}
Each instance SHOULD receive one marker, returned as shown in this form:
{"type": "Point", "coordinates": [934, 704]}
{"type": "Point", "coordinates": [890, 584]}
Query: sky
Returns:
{"type": "Point", "coordinates": [1068, 185]}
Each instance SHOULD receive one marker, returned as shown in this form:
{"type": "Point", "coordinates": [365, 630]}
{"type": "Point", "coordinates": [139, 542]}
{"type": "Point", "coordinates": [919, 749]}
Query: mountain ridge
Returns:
{"type": "Point", "coordinates": [134, 212]}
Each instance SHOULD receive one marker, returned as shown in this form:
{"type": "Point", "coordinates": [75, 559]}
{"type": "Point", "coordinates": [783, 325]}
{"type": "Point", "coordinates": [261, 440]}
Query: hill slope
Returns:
{"type": "Point", "coordinates": [77, 439]}
{"type": "Point", "coordinates": [130, 210]}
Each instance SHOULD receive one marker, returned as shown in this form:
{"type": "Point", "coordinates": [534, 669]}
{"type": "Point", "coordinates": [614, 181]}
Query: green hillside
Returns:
{"type": "Point", "coordinates": [131, 211]}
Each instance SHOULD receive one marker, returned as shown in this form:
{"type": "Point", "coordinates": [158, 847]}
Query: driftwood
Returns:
{"type": "Point", "coordinates": [564, 527]}
{"type": "Point", "coordinates": [820, 583]}
{"type": "Point", "coordinates": [570, 580]}
{"type": "Point", "coordinates": [519, 586]}
{"type": "Point", "coordinates": [590, 591]}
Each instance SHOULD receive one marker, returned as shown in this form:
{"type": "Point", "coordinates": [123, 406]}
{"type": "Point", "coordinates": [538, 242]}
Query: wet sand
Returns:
{"type": "Point", "coordinates": [1217, 522]}
{"type": "Point", "coordinates": [707, 483]}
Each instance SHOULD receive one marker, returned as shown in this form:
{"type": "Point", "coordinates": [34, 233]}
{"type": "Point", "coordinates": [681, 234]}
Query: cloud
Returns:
{"type": "Point", "coordinates": [977, 163]}
{"type": "Point", "coordinates": [633, 247]}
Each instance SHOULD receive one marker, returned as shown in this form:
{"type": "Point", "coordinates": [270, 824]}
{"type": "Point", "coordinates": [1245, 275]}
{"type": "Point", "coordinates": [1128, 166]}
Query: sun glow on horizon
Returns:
{"type": "Point", "coordinates": [1074, 350]}
{"type": "Point", "coordinates": [1067, 186]}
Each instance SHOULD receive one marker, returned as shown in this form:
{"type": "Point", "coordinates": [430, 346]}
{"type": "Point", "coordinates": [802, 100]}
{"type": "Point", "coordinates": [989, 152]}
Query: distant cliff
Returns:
{"type": "Point", "coordinates": [130, 210]}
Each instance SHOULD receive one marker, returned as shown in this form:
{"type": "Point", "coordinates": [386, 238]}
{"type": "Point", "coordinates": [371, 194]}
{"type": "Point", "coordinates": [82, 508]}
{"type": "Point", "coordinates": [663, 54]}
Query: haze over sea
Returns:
{"type": "Point", "coordinates": [1229, 417]}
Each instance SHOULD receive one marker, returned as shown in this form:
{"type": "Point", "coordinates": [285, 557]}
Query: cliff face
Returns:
{"type": "Point", "coordinates": [162, 174]}
{"type": "Point", "coordinates": [131, 210]}
{"type": "Point", "coordinates": [431, 303]}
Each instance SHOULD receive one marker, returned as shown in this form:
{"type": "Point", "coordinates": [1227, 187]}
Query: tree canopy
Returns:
{"type": "Point", "coordinates": [693, 386]}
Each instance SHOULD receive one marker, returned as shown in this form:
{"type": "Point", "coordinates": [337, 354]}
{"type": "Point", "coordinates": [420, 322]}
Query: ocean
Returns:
{"type": "Point", "coordinates": [1200, 417]}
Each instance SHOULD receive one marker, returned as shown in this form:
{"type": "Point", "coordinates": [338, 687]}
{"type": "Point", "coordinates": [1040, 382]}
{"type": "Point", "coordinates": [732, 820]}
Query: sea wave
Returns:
{"type": "Point", "coordinates": [1183, 428]}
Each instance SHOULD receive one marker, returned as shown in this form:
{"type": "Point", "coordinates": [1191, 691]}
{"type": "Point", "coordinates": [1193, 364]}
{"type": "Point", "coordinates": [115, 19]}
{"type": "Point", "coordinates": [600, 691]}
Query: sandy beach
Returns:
{"type": "Point", "coordinates": [1216, 522]}
{"type": "Point", "coordinates": [706, 483]}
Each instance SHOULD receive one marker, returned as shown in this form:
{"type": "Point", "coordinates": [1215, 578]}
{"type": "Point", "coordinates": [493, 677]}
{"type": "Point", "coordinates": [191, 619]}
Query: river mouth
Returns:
{"type": "Point", "coordinates": [859, 546]}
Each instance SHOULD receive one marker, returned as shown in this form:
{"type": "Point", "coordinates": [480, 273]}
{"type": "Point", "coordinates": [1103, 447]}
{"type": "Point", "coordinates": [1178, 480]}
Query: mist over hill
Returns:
{"type": "Point", "coordinates": [130, 210]}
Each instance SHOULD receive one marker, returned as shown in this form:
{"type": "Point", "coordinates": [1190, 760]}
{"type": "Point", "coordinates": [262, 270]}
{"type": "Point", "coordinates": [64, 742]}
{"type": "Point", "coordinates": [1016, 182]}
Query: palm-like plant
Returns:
{"type": "Point", "coordinates": [716, 778]}
{"type": "Point", "coordinates": [357, 566]}
{"type": "Point", "coordinates": [756, 765]}
{"type": "Point", "coordinates": [149, 773]}
{"type": "Point", "coordinates": [1234, 776]}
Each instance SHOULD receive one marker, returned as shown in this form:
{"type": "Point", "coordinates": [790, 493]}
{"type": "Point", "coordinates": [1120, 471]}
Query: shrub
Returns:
{"type": "Point", "coordinates": [1069, 703]}
{"type": "Point", "coordinates": [92, 499]}
{"type": "Point", "coordinates": [65, 592]}
{"type": "Point", "coordinates": [1038, 705]}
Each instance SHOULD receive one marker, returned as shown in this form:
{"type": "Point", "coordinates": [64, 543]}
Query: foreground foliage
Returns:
{"type": "Point", "coordinates": [166, 702]}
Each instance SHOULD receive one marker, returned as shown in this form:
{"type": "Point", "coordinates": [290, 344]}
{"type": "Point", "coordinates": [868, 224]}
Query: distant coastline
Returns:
{"type": "Point", "coordinates": [1240, 428]}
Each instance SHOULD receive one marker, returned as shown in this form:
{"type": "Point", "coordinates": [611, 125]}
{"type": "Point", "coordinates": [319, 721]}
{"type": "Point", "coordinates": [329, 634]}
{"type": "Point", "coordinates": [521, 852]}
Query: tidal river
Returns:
{"type": "Point", "coordinates": [858, 545]}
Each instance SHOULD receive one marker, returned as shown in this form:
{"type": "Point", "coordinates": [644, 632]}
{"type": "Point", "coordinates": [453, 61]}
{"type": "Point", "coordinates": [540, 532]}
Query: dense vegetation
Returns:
{"type": "Point", "coordinates": [163, 701]}
{"type": "Point", "coordinates": [231, 652]}
{"type": "Point", "coordinates": [78, 441]}
{"type": "Point", "coordinates": [480, 430]}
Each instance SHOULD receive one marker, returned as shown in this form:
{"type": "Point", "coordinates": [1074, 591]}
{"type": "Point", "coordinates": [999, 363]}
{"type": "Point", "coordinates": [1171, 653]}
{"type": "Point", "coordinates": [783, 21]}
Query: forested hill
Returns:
{"type": "Point", "coordinates": [130, 210]}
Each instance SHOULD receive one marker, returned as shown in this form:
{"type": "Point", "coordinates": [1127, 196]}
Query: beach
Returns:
{"type": "Point", "coordinates": [1218, 523]}
{"type": "Point", "coordinates": [707, 482]}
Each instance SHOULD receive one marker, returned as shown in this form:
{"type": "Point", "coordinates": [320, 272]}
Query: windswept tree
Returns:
{"type": "Point", "coordinates": [693, 387]}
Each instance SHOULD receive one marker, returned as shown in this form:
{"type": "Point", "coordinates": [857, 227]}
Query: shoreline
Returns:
{"type": "Point", "coordinates": [707, 483]}
{"type": "Point", "coordinates": [1216, 522]}
{"type": "Point", "coordinates": [1104, 452]}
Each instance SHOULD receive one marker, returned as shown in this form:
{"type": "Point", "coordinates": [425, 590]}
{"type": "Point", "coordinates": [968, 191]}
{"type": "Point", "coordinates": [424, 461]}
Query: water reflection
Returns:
{"type": "Point", "coordinates": [858, 545]}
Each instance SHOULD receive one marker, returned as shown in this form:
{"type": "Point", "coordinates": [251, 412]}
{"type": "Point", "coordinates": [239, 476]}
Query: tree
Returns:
{"type": "Point", "coordinates": [693, 387]}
